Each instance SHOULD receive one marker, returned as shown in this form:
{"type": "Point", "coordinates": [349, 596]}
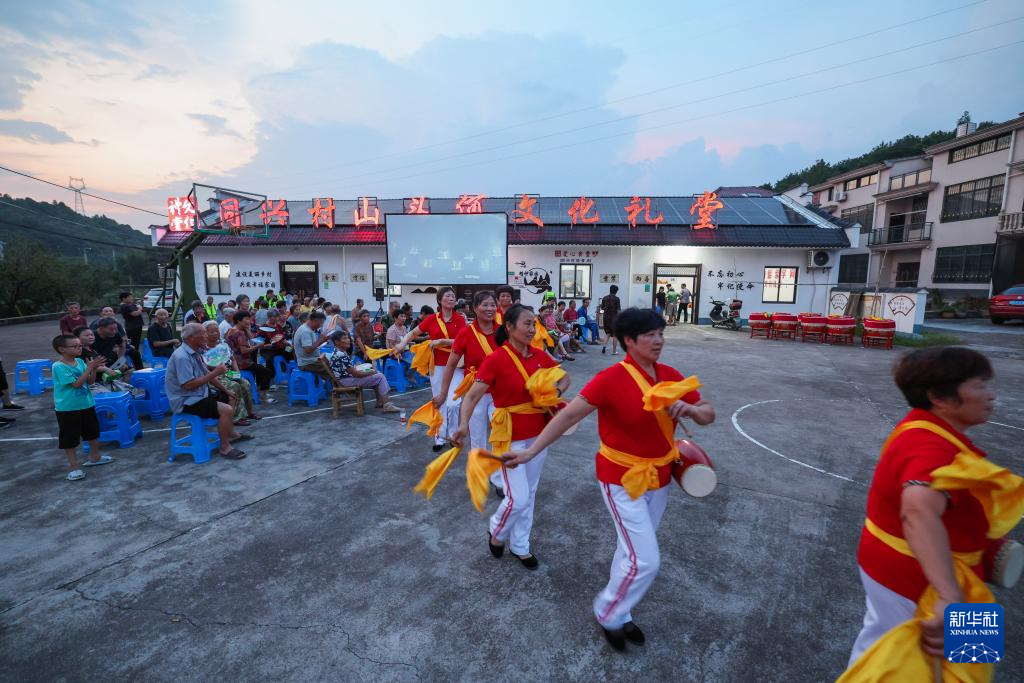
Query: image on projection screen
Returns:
{"type": "Point", "coordinates": [441, 249]}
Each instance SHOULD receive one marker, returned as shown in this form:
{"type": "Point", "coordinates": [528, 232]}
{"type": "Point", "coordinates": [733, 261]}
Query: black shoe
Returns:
{"type": "Point", "coordinates": [615, 638]}
{"type": "Point", "coordinates": [14, 406]}
{"type": "Point", "coordinates": [438, 447]}
{"type": "Point", "coordinates": [500, 493]}
{"type": "Point", "coordinates": [633, 633]}
{"type": "Point", "coordinates": [496, 550]}
{"type": "Point", "coordinates": [530, 562]}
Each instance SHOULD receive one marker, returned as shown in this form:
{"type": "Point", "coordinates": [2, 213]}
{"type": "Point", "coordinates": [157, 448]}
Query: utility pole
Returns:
{"type": "Point", "coordinates": [77, 185]}
{"type": "Point", "coordinates": [85, 254]}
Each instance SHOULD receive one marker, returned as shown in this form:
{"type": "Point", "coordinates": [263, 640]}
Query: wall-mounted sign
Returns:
{"type": "Point", "coordinates": [610, 278]}
{"type": "Point", "coordinates": [580, 211]}
{"type": "Point", "coordinates": [360, 277]}
{"type": "Point", "coordinates": [901, 305]}
{"type": "Point", "coordinates": [637, 205]}
{"type": "Point", "coordinates": [470, 203]}
{"type": "Point", "coordinates": [366, 212]}
{"type": "Point", "coordinates": [181, 214]}
{"type": "Point", "coordinates": [275, 210]}
{"type": "Point", "coordinates": [417, 205]}
{"type": "Point", "coordinates": [575, 255]}
{"type": "Point", "coordinates": [524, 212]}
{"type": "Point", "coordinates": [641, 279]}
{"type": "Point", "coordinates": [330, 277]}
{"type": "Point", "coordinates": [705, 205]}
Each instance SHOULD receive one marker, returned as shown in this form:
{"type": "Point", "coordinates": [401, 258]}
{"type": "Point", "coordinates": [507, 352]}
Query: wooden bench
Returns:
{"type": "Point", "coordinates": [340, 391]}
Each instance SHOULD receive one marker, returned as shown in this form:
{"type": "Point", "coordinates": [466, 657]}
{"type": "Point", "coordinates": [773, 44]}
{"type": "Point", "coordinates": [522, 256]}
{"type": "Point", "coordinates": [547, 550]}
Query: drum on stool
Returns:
{"type": "Point", "coordinates": [694, 471]}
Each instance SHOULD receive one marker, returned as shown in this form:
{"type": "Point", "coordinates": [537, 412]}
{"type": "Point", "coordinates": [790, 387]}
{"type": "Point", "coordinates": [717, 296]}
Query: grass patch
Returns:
{"type": "Point", "coordinates": [928, 339]}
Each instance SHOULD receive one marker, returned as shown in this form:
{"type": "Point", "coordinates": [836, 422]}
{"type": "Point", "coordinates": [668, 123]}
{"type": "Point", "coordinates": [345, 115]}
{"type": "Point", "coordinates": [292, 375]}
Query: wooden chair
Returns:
{"type": "Point", "coordinates": [339, 391]}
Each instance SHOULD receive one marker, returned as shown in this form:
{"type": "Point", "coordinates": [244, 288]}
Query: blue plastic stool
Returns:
{"type": "Point", "coordinates": [34, 382]}
{"type": "Point", "coordinates": [199, 443]}
{"type": "Point", "coordinates": [394, 373]}
{"type": "Point", "coordinates": [281, 369]}
{"type": "Point", "coordinates": [149, 359]}
{"type": "Point", "coordinates": [154, 404]}
{"type": "Point", "coordinates": [326, 348]}
{"type": "Point", "coordinates": [119, 421]}
{"type": "Point", "coordinates": [251, 379]}
{"type": "Point", "coordinates": [304, 386]}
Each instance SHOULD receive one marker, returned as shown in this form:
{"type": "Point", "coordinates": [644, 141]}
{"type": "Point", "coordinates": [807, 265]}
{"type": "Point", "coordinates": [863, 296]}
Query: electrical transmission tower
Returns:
{"type": "Point", "coordinates": [77, 185]}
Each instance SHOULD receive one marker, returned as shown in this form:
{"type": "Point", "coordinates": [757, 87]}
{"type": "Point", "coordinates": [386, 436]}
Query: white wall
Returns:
{"type": "Point", "coordinates": [603, 260]}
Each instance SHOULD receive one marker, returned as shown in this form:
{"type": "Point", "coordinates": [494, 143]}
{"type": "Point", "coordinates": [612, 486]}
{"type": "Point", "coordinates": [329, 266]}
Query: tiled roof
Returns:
{"type": "Point", "coordinates": [742, 222]}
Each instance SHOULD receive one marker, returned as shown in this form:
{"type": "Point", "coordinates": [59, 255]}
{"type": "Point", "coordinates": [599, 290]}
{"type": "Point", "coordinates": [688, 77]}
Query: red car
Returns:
{"type": "Point", "coordinates": [1007, 306]}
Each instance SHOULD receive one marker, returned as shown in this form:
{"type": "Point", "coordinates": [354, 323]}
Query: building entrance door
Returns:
{"type": "Point", "coordinates": [677, 275]}
{"type": "Point", "coordinates": [299, 277]}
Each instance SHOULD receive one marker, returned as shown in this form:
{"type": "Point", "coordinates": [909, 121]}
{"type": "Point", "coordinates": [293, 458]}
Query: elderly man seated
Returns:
{"type": "Point", "coordinates": [352, 375]}
{"type": "Point", "coordinates": [188, 384]}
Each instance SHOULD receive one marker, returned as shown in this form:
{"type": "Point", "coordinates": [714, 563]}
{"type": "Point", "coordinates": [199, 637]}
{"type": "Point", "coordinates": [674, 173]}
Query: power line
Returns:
{"type": "Point", "coordinates": [658, 110]}
{"type": "Point", "coordinates": [77, 237]}
{"type": "Point", "coordinates": [634, 95]}
{"type": "Point", "coordinates": [94, 196]}
{"type": "Point", "coordinates": [46, 215]}
{"type": "Point", "coordinates": [704, 116]}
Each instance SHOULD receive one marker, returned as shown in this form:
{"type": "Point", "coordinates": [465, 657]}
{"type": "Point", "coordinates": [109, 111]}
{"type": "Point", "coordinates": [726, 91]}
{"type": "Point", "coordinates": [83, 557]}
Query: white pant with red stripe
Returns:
{"type": "Point", "coordinates": [636, 559]}
{"type": "Point", "coordinates": [450, 408]}
{"type": "Point", "coordinates": [886, 609]}
{"type": "Point", "coordinates": [480, 432]}
{"type": "Point", "coordinates": [513, 520]}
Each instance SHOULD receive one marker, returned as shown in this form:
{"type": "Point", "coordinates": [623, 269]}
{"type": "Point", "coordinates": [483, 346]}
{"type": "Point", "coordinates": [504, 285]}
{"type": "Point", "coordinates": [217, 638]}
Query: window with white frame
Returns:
{"type": "Point", "coordinates": [574, 281]}
{"type": "Point", "coordinates": [380, 280]}
{"type": "Point", "coordinates": [779, 285]}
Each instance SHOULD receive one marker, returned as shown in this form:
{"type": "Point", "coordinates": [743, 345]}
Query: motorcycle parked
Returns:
{"type": "Point", "coordinates": [726, 318]}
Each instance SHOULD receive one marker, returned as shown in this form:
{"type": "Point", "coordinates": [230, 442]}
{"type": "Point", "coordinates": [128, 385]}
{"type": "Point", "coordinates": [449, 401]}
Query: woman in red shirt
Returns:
{"type": "Point", "coordinates": [918, 531]}
{"type": "Point", "coordinates": [442, 327]}
{"type": "Point", "coordinates": [634, 441]}
{"type": "Point", "coordinates": [504, 374]}
{"type": "Point", "coordinates": [472, 345]}
{"type": "Point", "coordinates": [506, 295]}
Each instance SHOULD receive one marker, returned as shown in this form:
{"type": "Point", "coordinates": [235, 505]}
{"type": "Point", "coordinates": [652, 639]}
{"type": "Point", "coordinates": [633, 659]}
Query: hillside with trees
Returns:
{"type": "Point", "coordinates": [52, 255]}
{"type": "Point", "coordinates": [906, 146]}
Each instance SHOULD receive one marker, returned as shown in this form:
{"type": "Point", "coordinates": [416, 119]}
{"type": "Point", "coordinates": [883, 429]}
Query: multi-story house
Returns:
{"type": "Point", "coordinates": [950, 220]}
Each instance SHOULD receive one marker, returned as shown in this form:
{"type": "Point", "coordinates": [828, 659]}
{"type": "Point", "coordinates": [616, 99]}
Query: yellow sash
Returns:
{"type": "Point", "coordinates": [501, 424]}
{"type": "Point", "coordinates": [422, 358]}
{"type": "Point", "coordinates": [481, 339]}
{"type": "Point", "coordinates": [478, 472]}
{"type": "Point", "coordinates": [427, 415]}
{"type": "Point", "coordinates": [470, 376]}
{"type": "Point", "coordinates": [541, 338]}
{"type": "Point", "coordinates": [440, 323]}
{"type": "Point", "coordinates": [897, 656]}
{"type": "Point", "coordinates": [374, 354]}
{"type": "Point", "coordinates": [435, 471]}
{"type": "Point", "coordinates": [499, 317]}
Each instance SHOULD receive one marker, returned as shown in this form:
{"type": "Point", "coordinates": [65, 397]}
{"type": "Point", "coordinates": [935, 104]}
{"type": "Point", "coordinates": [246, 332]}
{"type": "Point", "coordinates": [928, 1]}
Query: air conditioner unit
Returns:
{"type": "Point", "coordinates": [819, 258]}
{"type": "Point", "coordinates": [841, 196]}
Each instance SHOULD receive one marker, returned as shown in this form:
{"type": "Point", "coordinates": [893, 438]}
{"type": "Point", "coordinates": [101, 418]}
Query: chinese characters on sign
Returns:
{"type": "Point", "coordinates": [637, 205]}
{"type": "Point", "coordinates": [580, 211]}
{"type": "Point", "coordinates": [366, 212]}
{"type": "Point", "coordinates": [181, 214]}
{"type": "Point", "coordinates": [575, 256]}
{"type": "Point", "coordinates": [322, 213]}
{"type": "Point", "coordinates": [417, 205]}
{"type": "Point", "coordinates": [274, 210]}
{"type": "Point", "coordinates": [727, 279]}
{"type": "Point", "coordinates": [230, 216]}
{"type": "Point", "coordinates": [901, 305]}
{"type": "Point", "coordinates": [705, 205]}
{"type": "Point", "coordinates": [470, 203]}
{"type": "Point", "coordinates": [524, 212]}
{"type": "Point", "coordinates": [255, 279]}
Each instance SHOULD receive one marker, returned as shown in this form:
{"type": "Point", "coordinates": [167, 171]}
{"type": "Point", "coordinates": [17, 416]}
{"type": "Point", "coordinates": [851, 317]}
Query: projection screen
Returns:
{"type": "Point", "coordinates": [456, 249]}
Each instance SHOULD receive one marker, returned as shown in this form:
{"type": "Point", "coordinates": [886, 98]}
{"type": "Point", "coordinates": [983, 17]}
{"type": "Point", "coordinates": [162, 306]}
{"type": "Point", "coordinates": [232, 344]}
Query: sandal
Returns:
{"type": "Point", "coordinates": [102, 460]}
{"type": "Point", "coordinates": [242, 423]}
{"type": "Point", "coordinates": [241, 437]}
{"type": "Point", "coordinates": [75, 475]}
{"type": "Point", "coordinates": [254, 416]}
{"type": "Point", "coordinates": [389, 407]}
{"type": "Point", "coordinates": [233, 454]}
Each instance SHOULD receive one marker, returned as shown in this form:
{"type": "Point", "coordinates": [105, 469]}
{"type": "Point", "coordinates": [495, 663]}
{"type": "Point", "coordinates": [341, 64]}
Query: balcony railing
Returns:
{"type": "Point", "coordinates": [901, 234]}
{"type": "Point", "coordinates": [1011, 222]}
{"type": "Point", "coordinates": [906, 180]}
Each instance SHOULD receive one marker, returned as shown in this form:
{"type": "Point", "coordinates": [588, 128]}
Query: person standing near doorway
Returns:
{"type": "Point", "coordinates": [672, 307]}
{"type": "Point", "coordinates": [660, 301]}
{"type": "Point", "coordinates": [684, 302]}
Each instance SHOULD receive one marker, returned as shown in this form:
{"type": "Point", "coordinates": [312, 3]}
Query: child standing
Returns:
{"type": "Point", "coordinates": [74, 404]}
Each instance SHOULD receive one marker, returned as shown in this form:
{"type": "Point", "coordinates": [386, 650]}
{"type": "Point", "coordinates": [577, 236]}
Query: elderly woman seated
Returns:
{"type": "Point", "coordinates": [241, 394]}
{"type": "Point", "coordinates": [351, 375]}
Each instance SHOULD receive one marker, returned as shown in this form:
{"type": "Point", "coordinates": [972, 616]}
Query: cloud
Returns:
{"type": "Point", "coordinates": [15, 79]}
{"type": "Point", "coordinates": [34, 131]}
{"type": "Point", "coordinates": [214, 125]}
{"type": "Point", "coordinates": [156, 71]}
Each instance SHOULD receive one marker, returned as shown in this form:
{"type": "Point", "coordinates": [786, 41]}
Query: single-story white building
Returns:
{"type": "Point", "coordinates": [768, 251]}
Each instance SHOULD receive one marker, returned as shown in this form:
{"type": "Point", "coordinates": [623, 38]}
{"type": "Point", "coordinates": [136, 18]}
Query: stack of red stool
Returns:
{"type": "Point", "coordinates": [760, 325]}
{"type": "Point", "coordinates": [878, 332]}
{"type": "Point", "coordinates": [812, 325]}
{"type": "Point", "coordinates": [839, 329]}
{"type": "Point", "coordinates": [784, 326]}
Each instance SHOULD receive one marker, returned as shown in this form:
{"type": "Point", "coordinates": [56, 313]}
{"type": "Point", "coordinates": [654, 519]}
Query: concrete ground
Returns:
{"type": "Point", "coordinates": [312, 560]}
